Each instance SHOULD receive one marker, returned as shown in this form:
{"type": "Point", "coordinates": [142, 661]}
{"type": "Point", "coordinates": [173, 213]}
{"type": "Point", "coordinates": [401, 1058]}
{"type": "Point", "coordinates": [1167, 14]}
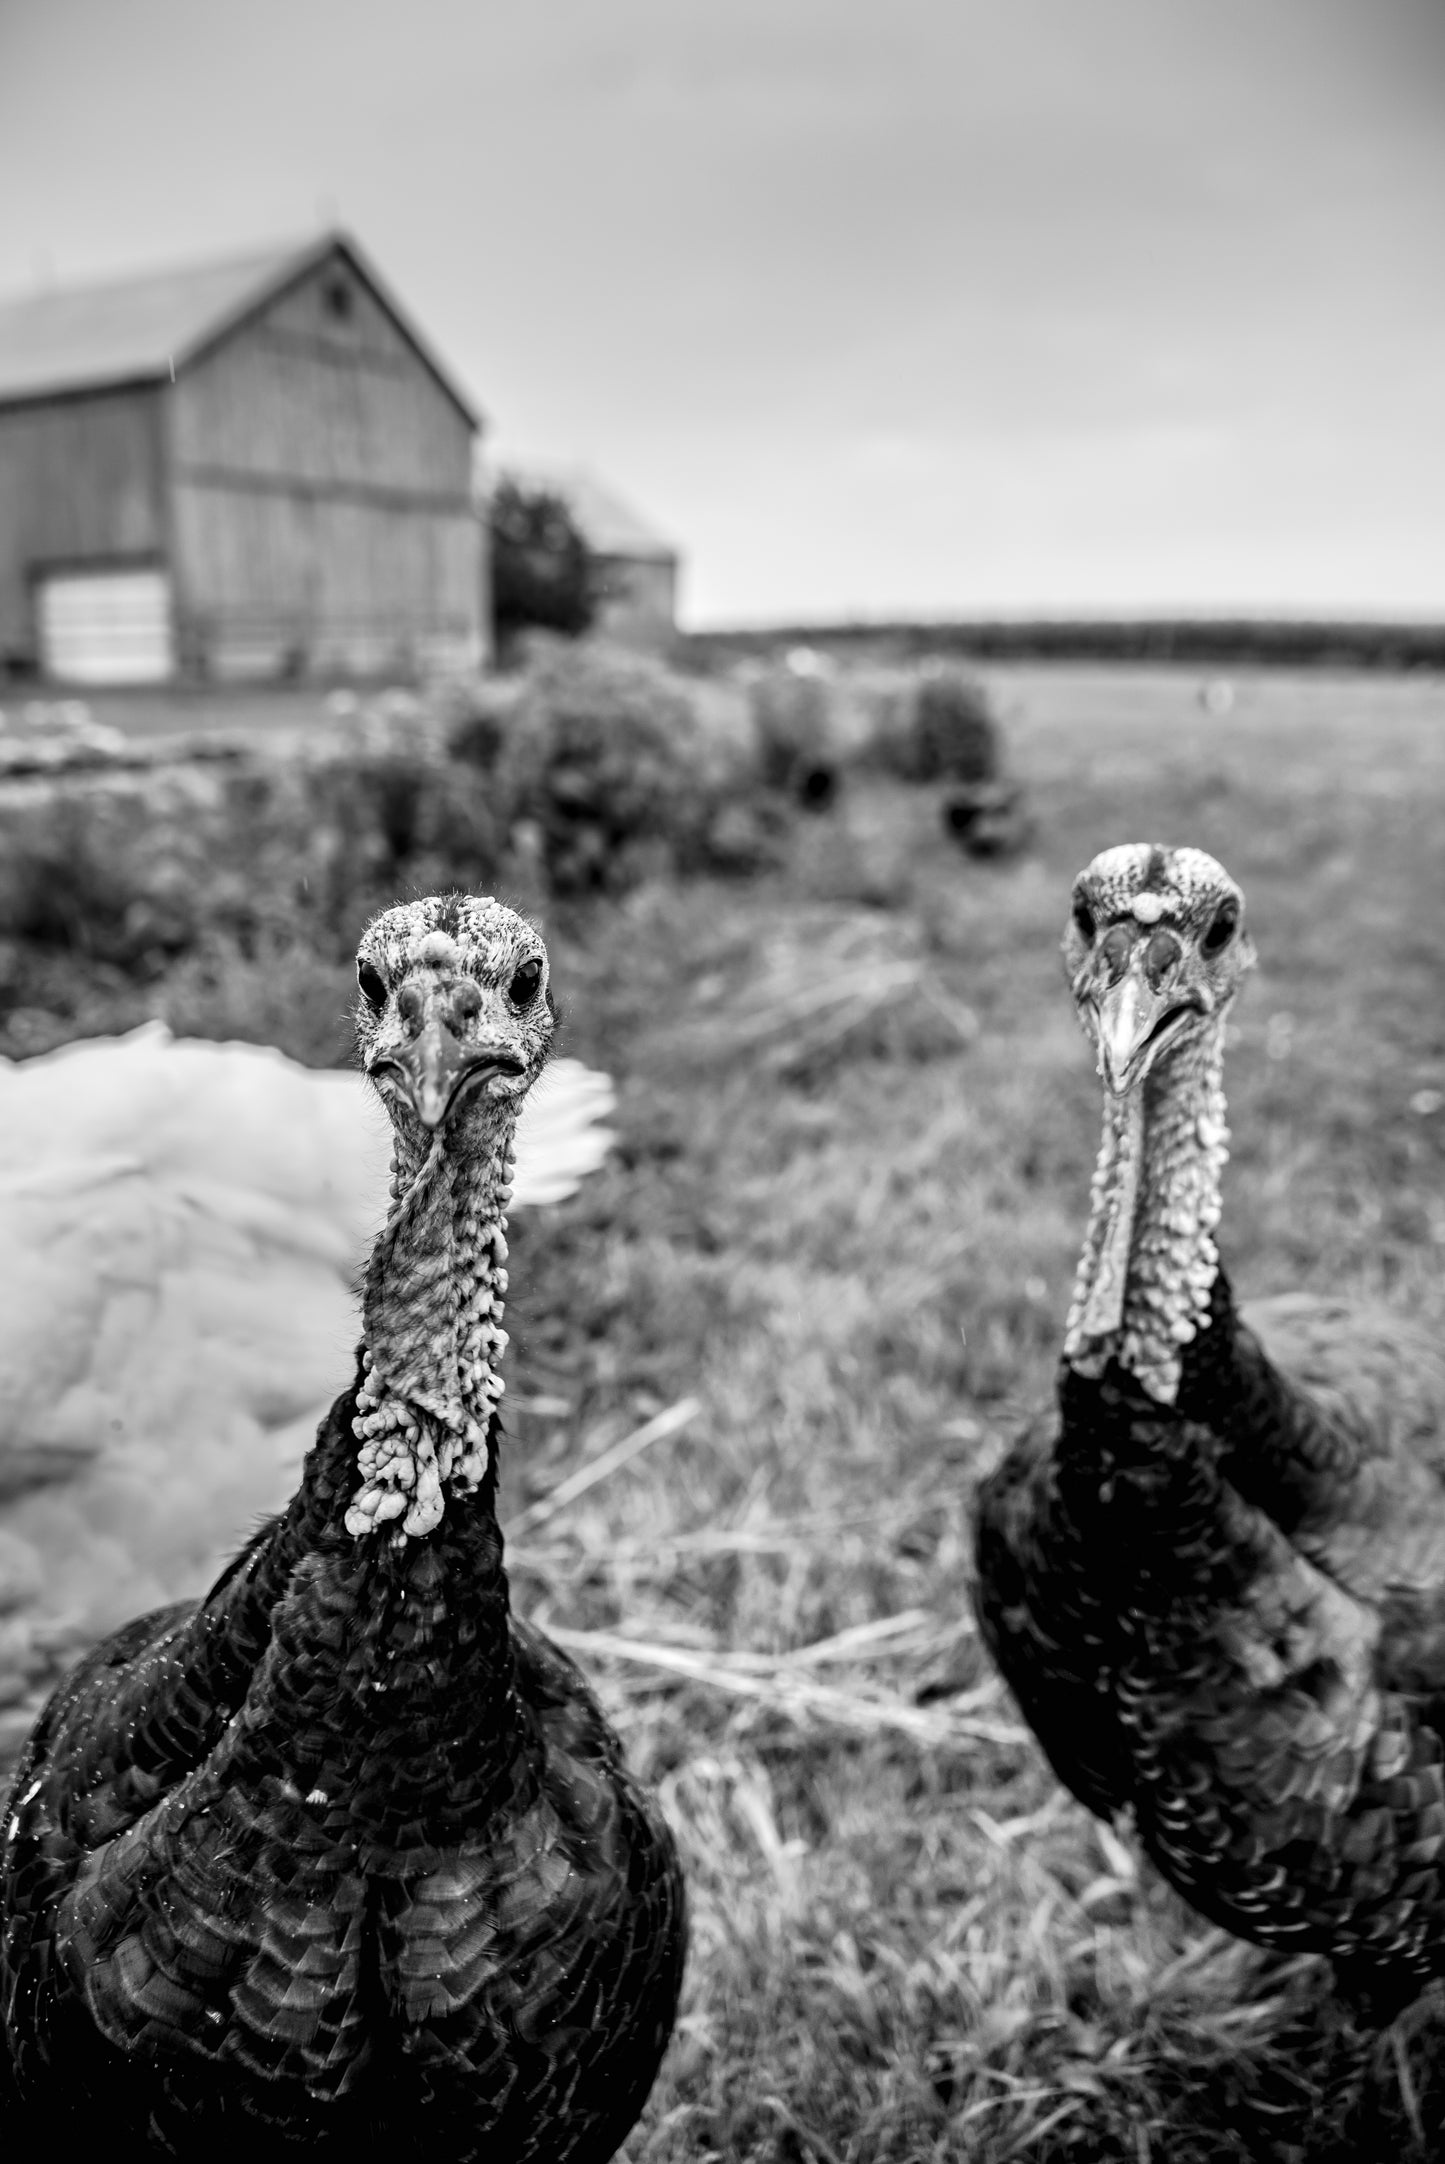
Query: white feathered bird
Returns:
{"type": "Point", "coordinates": [183, 1222]}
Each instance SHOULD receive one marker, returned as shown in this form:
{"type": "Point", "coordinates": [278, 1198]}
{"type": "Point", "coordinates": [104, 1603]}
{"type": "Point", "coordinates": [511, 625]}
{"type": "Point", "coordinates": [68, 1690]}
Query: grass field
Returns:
{"type": "Point", "coordinates": [856, 1128]}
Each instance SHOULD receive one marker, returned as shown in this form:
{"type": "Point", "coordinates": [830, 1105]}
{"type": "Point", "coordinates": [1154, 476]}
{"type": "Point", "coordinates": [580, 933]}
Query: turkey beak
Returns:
{"type": "Point", "coordinates": [437, 1064]}
{"type": "Point", "coordinates": [1131, 1022]}
{"type": "Point", "coordinates": [431, 1069]}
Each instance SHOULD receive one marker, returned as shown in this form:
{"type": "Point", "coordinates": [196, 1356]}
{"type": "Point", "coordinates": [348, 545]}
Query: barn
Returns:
{"type": "Point", "coordinates": [250, 470]}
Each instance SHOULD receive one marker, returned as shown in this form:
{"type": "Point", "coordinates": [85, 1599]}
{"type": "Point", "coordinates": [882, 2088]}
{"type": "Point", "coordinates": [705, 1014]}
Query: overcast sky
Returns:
{"type": "Point", "coordinates": [877, 306]}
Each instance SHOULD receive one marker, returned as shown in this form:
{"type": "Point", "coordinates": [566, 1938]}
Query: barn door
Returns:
{"type": "Point", "coordinates": [105, 627]}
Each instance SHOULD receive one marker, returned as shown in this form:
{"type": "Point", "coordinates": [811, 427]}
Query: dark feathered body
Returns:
{"type": "Point", "coordinates": [341, 1859]}
{"type": "Point", "coordinates": [1332, 1415]}
{"type": "Point", "coordinates": [1227, 1616]}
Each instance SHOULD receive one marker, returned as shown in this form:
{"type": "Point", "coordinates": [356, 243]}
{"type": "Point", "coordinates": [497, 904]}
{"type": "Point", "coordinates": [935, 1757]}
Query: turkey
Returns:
{"type": "Point", "coordinates": [184, 1223]}
{"type": "Point", "coordinates": [1214, 1574]}
{"type": "Point", "coordinates": [343, 1858]}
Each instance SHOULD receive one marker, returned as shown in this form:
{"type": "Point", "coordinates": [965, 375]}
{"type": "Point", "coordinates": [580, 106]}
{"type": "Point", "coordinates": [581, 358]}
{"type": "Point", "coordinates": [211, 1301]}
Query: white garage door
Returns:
{"type": "Point", "coordinates": [106, 627]}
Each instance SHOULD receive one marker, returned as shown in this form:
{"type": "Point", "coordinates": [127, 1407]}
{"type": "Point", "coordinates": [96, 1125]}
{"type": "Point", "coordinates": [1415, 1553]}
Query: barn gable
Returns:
{"type": "Point", "coordinates": [148, 328]}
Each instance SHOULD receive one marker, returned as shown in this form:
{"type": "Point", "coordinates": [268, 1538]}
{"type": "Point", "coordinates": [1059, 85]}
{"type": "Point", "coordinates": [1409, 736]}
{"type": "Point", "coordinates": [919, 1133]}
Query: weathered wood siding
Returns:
{"type": "Point", "coordinates": [80, 484]}
{"type": "Point", "coordinates": [321, 480]}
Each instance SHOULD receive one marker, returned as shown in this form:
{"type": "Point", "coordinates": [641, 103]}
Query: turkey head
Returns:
{"type": "Point", "coordinates": [1155, 948]}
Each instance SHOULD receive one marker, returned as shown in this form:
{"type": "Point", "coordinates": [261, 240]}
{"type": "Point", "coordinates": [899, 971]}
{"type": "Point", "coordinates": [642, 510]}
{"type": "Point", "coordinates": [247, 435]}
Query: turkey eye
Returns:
{"type": "Point", "coordinates": [373, 986]}
{"type": "Point", "coordinates": [523, 988]}
{"type": "Point", "coordinates": [1221, 931]}
{"type": "Point", "coordinates": [1083, 919]}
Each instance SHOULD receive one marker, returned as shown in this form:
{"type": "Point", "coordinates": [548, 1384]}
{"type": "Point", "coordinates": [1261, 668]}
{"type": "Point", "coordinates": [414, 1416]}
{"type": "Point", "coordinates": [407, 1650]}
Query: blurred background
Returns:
{"type": "Point", "coordinates": [771, 491]}
{"type": "Point", "coordinates": [960, 309]}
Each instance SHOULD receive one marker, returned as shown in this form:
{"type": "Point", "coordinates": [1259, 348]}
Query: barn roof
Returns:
{"type": "Point", "coordinates": [609, 526]}
{"type": "Point", "coordinates": [140, 328]}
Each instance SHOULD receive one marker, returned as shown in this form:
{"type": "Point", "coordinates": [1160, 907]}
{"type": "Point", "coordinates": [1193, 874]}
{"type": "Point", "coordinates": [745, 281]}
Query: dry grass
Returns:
{"type": "Point", "coordinates": [856, 1128]}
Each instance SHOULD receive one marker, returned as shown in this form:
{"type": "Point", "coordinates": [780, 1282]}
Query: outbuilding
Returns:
{"type": "Point", "coordinates": [247, 470]}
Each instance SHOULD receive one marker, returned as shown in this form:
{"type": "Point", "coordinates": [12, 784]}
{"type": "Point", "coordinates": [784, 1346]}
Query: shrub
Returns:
{"type": "Point", "coordinates": [133, 866]}
{"type": "Point", "coordinates": [940, 727]}
{"type": "Point", "coordinates": [392, 810]}
{"type": "Point", "coordinates": [604, 754]}
{"type": "Point", "coordinates": [473, 718]}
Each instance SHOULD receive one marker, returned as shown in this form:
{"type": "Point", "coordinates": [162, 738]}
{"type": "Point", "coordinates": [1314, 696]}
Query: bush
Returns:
{"type": "Point", "coordinates": [941, 728]}
{"type": "Point", "coordinates": [473, 718]}
{"type": "Point", "coordinates": [131, 867]}
{"type": "Point", "coordinates": [604, 755]}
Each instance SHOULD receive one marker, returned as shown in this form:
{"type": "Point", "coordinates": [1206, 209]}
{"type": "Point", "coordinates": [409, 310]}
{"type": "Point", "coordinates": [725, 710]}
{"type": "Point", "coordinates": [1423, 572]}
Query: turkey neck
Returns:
{"type": "Point", "coordinates": [432, 1333]}
{"type": "Point", "coordinates": [392, 1642]}
{"type": "Point", "coordinates": [1149, 1261]}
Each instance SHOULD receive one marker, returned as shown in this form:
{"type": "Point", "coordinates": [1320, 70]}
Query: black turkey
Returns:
{"type": "Point", "coordinates": [1214, 1575]}
{"type": "Point", "coordinates": [343, 1858]}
